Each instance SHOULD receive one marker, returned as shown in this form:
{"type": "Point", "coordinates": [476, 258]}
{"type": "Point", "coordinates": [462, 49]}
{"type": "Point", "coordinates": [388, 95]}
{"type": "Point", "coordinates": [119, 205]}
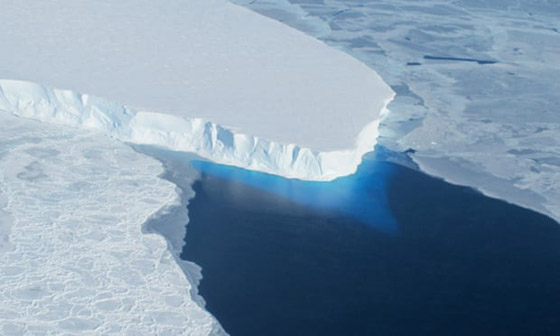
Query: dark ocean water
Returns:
{"type": "Point", "coordinates": [388, 251]}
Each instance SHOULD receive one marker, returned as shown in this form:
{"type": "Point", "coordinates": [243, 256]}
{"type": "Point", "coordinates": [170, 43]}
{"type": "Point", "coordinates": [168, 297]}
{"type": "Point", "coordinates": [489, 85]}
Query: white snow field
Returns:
{"type": "Point", "coordinates": [265, 96]}
{"type": "Point", "coordinates": [76, 257]}
{"type": "Point", "coordinates": [492, 126]}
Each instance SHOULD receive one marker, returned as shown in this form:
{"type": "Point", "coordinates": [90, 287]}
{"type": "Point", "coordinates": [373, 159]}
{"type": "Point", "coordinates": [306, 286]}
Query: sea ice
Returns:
{"type": "Point", "coordinates": [75, 258]}
{"type": "Point", "coordinates": [476, 82]}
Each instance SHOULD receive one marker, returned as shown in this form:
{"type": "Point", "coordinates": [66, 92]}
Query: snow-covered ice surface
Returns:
{"type": "Point", "coordinates": [276, 87]}
{"type": "Point", "coordinates": [75, 257]}
{"type": "Point", "coordinates": [476, 81]}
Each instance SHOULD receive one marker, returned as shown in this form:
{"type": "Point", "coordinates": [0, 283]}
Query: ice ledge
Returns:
{"type": "Point", "coordinates": [207, 139]}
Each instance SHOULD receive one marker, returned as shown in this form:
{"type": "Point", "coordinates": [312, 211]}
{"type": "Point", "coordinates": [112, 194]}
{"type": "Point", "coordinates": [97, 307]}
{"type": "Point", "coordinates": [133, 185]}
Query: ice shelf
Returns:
{"type": "Point", "coordinates": [259, 94]}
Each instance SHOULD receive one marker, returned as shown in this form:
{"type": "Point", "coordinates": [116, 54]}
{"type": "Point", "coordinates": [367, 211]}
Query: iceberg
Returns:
{"type": "Point", "coordinates": [203, 76]}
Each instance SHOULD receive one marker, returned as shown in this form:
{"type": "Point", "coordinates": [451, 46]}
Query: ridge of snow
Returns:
{"type": "Point", "coordinates": [207, 139]}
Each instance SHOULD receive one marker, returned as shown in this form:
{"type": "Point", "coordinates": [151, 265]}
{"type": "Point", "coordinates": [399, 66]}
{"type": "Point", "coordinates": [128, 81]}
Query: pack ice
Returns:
{"type": "Point", "coordinates": [202, 76]}
{"type": "Point", "coordinates": [76, 254]}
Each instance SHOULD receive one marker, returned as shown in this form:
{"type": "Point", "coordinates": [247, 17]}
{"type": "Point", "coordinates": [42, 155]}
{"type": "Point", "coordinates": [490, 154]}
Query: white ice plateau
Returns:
{"type": "Point", "coordinates": [197, 75]}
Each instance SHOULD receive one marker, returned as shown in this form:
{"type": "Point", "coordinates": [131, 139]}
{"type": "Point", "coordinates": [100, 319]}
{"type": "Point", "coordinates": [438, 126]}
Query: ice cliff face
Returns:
{"type": "Point", "coordinates": [205, 138]}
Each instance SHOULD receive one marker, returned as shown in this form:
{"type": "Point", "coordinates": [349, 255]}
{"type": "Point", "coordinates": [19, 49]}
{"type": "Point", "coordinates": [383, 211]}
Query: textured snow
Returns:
{"type": "Point", "coordinates": [75, 256]}
{"type": "Point", "coordinates": [206, 59]}
{"type": "Point", "coordinates": [493, 126]}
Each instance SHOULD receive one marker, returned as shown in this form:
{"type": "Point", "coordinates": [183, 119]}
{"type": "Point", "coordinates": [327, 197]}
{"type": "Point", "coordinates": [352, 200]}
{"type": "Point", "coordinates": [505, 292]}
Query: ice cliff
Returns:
{"type": "Point", "coordinates": [205, 138]}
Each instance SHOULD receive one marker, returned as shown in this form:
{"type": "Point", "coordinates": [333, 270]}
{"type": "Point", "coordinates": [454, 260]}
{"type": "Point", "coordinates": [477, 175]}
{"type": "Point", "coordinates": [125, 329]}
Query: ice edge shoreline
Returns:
{"type": "Point", "coordinates": [207, 139]}
{"type": "Point", "coordinates": [171, 221]}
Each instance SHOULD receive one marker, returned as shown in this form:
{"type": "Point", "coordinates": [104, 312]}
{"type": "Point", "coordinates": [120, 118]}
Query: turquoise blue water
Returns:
{"type": "Point", "coordinates": [358, 196]}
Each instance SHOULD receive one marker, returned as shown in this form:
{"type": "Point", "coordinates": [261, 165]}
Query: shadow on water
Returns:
{"type": "Point", "coordinates": [276, 261]}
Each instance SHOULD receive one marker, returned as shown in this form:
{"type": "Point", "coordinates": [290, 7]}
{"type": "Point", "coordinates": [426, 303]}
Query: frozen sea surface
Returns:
{"type": "Point", "coordinates": [476, 82]}
{"type": "Point", "coordinates": [75, 257]}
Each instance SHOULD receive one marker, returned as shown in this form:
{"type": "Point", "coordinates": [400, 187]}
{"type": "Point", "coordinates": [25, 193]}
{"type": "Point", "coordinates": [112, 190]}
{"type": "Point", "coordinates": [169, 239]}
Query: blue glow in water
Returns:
{"type": "Point", "coordinates": [461, 264]}
{"type": "Point", "coordinates": [361, 196]}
